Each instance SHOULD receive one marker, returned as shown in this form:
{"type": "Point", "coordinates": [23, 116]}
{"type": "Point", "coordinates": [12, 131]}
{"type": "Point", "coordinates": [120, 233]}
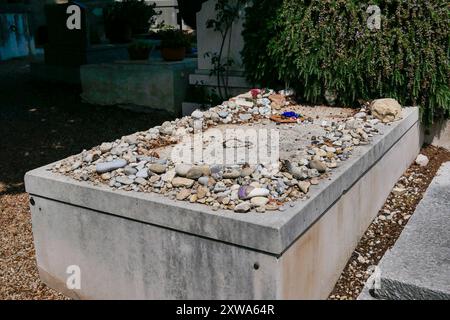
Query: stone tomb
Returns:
{"type": "Point", "coordinates": [140, 85]}
{"type": "Point", "coordinates": [137, 245]}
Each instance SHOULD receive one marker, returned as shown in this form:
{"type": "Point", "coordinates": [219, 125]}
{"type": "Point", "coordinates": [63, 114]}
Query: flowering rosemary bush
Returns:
{"type": "Point", "coordinates": [327, 47]}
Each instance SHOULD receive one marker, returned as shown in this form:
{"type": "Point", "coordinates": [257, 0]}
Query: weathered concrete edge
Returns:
{"type": "Point", "coordinates": [392, 289]}
{"type": "Point", "coordinates": [324, 196]}
{"type": "Point", "coordinates": [147, 208]}
{"type": "Point", "coordinates": [270, 233]}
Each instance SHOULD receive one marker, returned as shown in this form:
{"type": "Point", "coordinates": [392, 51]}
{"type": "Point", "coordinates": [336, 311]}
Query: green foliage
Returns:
{"type": "Point", "coordinates": [140, 45]}
{"type": "Point", "coordinates": [139, 50]}
{"type": "Point", "coordinates": [135, 14]}
{"type": "Point", "coordinates": [198, 93]}
{"type": "Point", "coordinates": [173, 38]}
{"type": "Point", "coordinates": [318, 47]}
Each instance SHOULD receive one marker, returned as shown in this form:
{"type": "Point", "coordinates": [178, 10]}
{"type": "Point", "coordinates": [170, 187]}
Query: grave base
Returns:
{"type": "Point", "coordinates": [141, 246]}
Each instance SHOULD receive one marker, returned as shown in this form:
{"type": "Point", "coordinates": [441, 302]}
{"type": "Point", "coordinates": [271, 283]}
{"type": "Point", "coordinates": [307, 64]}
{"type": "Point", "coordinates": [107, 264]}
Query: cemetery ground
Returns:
{"type": "Point", "coordinates": [41, 123]}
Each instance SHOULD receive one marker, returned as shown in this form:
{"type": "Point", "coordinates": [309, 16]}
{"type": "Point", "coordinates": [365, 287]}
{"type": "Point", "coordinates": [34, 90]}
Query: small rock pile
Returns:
{"type": "Point", "coordinates": [133, 163]}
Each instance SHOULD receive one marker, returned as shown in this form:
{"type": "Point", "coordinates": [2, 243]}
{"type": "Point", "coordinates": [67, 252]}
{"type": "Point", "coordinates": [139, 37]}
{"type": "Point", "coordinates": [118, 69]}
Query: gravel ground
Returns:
{"type": "Point", "coordinates": [39, 124]}
{"type": "Point", "coordinates": [42, 123]}
{"type": "Point", "coordinates": [387, 226]}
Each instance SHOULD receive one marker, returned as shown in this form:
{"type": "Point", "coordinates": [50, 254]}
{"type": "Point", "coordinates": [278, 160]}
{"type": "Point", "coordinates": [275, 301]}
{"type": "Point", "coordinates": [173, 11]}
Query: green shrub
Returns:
{"type": "Point", "coordinates": [318, 47]}
{"type": "Point", "coordinates": [174, 38]}
{"type": "Point", "coordinates": [137, 15]}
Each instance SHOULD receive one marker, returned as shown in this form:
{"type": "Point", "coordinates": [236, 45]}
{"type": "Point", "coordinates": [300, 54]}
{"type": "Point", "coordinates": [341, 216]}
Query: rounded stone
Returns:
{"type": "Point", "coordinates": [182, 169]}
{"type": "Point", "coordinates": [157, 168]}
{"type": "Point", "coordinates": [259, 201]}
{"type": "Point", "coordinates": [232, 174]}
{"type": "Point", "coordinates": [110, 166]}
{"type": "Point", "coordinates": [195, 172]}
{"type": "Point", "coordinates": [318, 165]}
{"type": "Point", "coordinates": [242, 207]}
{"type": "Point", "coordinates": [182, 182]}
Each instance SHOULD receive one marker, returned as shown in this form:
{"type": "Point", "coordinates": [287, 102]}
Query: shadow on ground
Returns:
{"type": "Point", "coordinates": [41, 123]}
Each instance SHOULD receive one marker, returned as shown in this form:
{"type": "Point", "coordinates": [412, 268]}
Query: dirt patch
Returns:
{"type": "Point", "coordinates": [388, 225]}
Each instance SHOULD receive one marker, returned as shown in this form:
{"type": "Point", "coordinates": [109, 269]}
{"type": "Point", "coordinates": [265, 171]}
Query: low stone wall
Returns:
{"type": "Point", "coordinates": [151, 85]}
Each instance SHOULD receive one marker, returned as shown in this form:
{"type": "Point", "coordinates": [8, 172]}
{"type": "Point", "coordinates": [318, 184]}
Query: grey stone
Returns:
{"type": "Point", "coordinates": [242, 207]}
{"type": "Point", "coordinates": [216, 169]}
{"type": "Point", "coordinates": [158, 168]}
{"type": "Point", "coordinates": [124, 180]}
{"type": "Point", "coordinates": [182, 169]}
{"type": "Point", "coordinates": [143, 173]}
{"type": "Point", "coordinates": [197, 114]}
{"type": "Point", "coordinates": [130, 171]}
{"type": "Point", "coordinates": [203, 180]}
{"type": "Point", "coordinates": [166, 128]}
{"type": "Point", "coordinates": [223, 114]}
{"type": "Point", "coordinates": [110, 166]}
{"type": "Point", "coordinates": [195, 172]}
{"type": "Point", "coordinates": [296, 172]}
{"type": "Point", "coordinates": [245, 116]}
{"type": "Point", "coordinates": [220, 187]}
{"type": "Point", "coordinates": [76, 165]}
{"type": "Point", "coordinates": [422, 160]}
{"type": "Point", "coordinates": [141, 181]}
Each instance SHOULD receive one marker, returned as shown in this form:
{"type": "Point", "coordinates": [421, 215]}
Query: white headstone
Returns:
{"type": "Point", "coordinates": [209, 40]}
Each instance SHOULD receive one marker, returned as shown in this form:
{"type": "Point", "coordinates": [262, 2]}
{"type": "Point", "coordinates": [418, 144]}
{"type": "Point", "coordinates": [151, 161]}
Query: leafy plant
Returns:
{"type": "Point", "coordinates": [139, 50]}
{"type": "Point", "coordinates": [137, 15]}
{"type": "Point", "coordinates": [198, 93]}
{"type": "Point", "coordinates": [173, 38]}
{"type": "Point", "coordinates": [323, 48]}
{"type": "Point", "coordinates": [140, 45]}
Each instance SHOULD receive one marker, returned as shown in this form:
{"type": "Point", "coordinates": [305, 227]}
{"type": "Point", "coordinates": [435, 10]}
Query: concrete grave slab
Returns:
{"type": "Point", "coordinates": [145, 246]}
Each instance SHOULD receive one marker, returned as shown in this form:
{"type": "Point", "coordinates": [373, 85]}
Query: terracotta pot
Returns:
{"type": "Point", "coordinates": [173, 54]}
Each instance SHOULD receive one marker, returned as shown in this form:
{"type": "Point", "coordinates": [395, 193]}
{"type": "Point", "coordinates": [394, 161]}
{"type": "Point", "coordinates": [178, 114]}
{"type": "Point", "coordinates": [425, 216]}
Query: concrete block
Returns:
{"type": "Point", "coordinates": [439, 134]}
{"type": "Point", "coordinates": [152, 85]}
{"type": "Point", "coordinates": [418, 266]}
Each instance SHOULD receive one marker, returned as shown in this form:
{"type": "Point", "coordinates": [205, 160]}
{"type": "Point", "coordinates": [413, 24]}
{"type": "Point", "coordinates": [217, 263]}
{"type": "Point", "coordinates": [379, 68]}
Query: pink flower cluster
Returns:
{"type": "Point", "coordinates": [255, 93]}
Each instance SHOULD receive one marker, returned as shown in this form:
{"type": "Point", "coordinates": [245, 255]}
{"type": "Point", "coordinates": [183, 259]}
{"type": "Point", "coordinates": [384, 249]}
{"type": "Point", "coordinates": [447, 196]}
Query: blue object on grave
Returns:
{"type": "Point", "coordinates": [290, 114]}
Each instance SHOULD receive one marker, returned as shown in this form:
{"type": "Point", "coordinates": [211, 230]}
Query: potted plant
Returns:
{"type": "Point", "coordinates": [127, 18]}
{"type": "Point", "coordinates": [173, 45]}
{"type": "Point", "coordinates": [139, 50]}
